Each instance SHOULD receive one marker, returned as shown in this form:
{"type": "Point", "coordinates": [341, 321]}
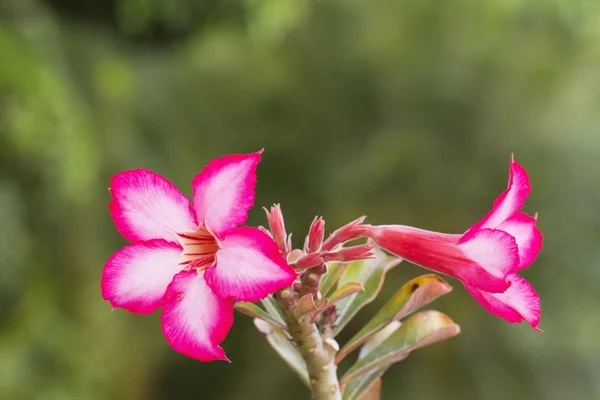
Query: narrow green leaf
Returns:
{"type": "Point", "coordinates": [278, 339]}
{"type": "Point", "coordinates": [273, 309]}
{"type": "Point", "coordinates": [254, 311]}
{"type": "Point", "coordinates": [368, 385]}
{"type": "Point", "coordinates": [330, 278]}
{"type": "Point", "coordinates": [412, 296]}
{"type": "Point", "coordinates": [359, 388]}
{"type": "Point", "coordinates": [370, 273]}
{"type": "Point", "coordinates": [345, 290]}
{"type": "Point", "coordinates": [339, 294]}
{"type": "Point", "coordinates": [378, 338]}
{"type": "Point", "coordinates": [419, 330]}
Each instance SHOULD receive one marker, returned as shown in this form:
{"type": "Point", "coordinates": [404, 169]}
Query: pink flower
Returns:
{"type": "Point", "coordinates": [192, 261]}
{"type": "Point", "coordinates": [487, 257]}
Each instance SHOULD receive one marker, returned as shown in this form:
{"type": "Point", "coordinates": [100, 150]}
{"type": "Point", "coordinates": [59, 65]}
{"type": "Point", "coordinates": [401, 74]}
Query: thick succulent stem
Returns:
{"type": "Point", "coordinates": [318, 353]}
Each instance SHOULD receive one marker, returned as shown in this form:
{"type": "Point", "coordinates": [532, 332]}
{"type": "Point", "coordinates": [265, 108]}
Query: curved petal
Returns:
{"type": "Point", "coordinates": [195, 320]}
{"type": "Point", "coordinates": [482, 262]}
{"type": "Point", "coordinates": [224, 191]}
{"type": "Point", "coordinates": [496, 251]}
{"type": "Point", "coordinates": [528, 237]}
{"type": "Point", "coordinates": [520, 302]}
{"type": "Point", "coordinates": [147, 206]}
{"type": "Point", "coordinates": [249, 266]}
{"type": "Point", "coordinates": [136, 277]}
{"type": "Point", "coordinates": [509, 202]}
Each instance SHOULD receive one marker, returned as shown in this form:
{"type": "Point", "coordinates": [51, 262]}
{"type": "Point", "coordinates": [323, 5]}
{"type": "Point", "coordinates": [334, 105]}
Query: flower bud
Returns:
{"type": "Point", "coordinates": [346, 233]}
{"type": "Point", "coordinates": [309, 261]}
{"type": "Point", "coordinates": [277, 226]}
{"type": "Point", "coordinates": [353, 253]}
{"type": "Point", "coordinates": [316, 233]}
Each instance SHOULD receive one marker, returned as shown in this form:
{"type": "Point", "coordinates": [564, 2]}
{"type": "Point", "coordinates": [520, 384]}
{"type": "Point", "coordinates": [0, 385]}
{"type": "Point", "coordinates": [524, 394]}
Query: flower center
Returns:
{"type": "Point", "coordinates": [199, 248]}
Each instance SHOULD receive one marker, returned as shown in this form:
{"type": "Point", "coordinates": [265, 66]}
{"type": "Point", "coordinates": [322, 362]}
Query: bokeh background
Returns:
{"type": "Point", "coordinates": [404, 110]}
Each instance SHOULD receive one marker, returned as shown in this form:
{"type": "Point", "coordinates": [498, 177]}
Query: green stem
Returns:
{"type": "Point", "coordinates": [318, 353]}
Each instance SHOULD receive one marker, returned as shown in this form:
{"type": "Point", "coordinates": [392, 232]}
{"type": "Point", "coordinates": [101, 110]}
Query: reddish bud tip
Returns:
{"type": "Point", "coordinates": [277, 226]}
{"type": "Point", "coordinates": [353, 253]}
{"type": "Point", "coordinates": [309, 261]}
{"type": "Point", "coordinates": [316, 233]}
{"type": "Point", "coordinates": [346, 233]}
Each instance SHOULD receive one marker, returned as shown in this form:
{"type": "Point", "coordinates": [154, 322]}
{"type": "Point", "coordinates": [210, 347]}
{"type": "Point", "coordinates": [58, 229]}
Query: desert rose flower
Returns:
{"type": "Point", "coordinates": [486, 258]}
{"type": "Point", "coordinates": [191, 261]}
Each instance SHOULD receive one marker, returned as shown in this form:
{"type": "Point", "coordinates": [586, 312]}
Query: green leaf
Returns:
{"type": "Point", "coordinates": [340, 293]}
{"type": "Point", "coordinates": [254, 311]}
{"type": "Point", "coordinates": [278, 339]}
{"type": "Point", "coordinates": [345, 290]}
{"type": "Point", "coordinates": [362, 386]}
{"type": "Point", "coordinates": [273, 309]}
{"type": "Point", "coordinates": [368, 385]}
{"type": "Point", "coordinates": [370, 273]}
{"type": "Point", "coordinates": [330, 278]}
{"type": "Point", "coordinates": [419, 330]}
{"type": "Point", "coordinates": [412, 296]}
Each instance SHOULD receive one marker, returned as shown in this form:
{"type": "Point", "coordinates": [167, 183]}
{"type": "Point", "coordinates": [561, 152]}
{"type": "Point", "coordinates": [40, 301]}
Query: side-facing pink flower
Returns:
{"type": "Point", "coordinates": [486, 258]}
{"type": "Point", "coordinates": [192, 261]}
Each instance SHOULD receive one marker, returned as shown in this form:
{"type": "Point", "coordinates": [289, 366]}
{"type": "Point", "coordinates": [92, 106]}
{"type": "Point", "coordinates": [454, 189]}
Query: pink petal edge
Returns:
{"type": "Point", "coordinates": [495, 251]}
{"type": "Point", "coordinates": [528, 237]}
{"type": "Point", "coordinates": [520, 302]}
{"type": "Point", "coordinates": [224, 191]}
{"type": "Point", "coordinates": [509, 201]}
{"type": "Point", "coordinates": [249, 266]}
{"type": "Point", "coordinates": [195, 321]}
{"type": "Point", "coordinates": [136, 277]}
{"type": "Point", "coordinates": [147, 206]}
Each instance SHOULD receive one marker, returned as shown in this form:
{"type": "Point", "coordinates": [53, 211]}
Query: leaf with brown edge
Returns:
{"type": "Point", "coordinates": [254, 311]}
{"type": "Point", "coordinates": [345, 290]}
{"type": "Point", "coordinates": [419, 330]}
{"type": "Point", "coordinates": [307, 307]}
{"type": "Point", "coordinates": [368, 386]}
{"type": "Point", "coordinates": [411, 297]}
{"type": "Point", "coordinates": [370, 273]}
{"type": "Point", "coordinates": [340, 293]}
{"type": "Point", "coordinates": [330, 278]}
{"type": "Point", "coordinates": [284, 347]}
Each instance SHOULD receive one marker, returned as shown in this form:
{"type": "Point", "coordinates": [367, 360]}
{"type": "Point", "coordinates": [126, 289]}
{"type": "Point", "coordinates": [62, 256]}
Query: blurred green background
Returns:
{"type": "Point", "coordinates": [406, 111]}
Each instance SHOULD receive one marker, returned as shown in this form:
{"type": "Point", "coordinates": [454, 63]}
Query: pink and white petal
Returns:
{"type": "Point", "coordinates": [147, 206]}
{"type": "Point", "coordinates": [509, 202]}
{"type": "Point", "coordinates": [136, 277]}
{"type": "Point", "coordinates": [439, 252]}
{"type": "Point", "coordinates": [520, 302]}
{"type": "Point", "coordinates": [249, 266]}
{"type": "Point", "coordinates": [195, 321]}
{"type": "Point", "coordinates": [495, 251]}
{"type": "Point", "coordinates": [528, 237]}
{"type": "Point", "coordinates": [224, 191]}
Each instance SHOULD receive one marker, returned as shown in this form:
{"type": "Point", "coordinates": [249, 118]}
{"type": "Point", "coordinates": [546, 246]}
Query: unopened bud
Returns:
{"type": "Point", "coordinates": [309, 261]}
{"type": "Point", "coordinates": [353, 253]}
{"type": "Point", "coordinates": [346, 233]}
{"type": "Point", "coordinates": [316, 233]}
{"type": "Point", "coordinates": [277, 226]}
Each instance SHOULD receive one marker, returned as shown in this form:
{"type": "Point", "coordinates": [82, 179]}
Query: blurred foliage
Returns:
{"type": "Point", "coordinates": [406, 111]}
